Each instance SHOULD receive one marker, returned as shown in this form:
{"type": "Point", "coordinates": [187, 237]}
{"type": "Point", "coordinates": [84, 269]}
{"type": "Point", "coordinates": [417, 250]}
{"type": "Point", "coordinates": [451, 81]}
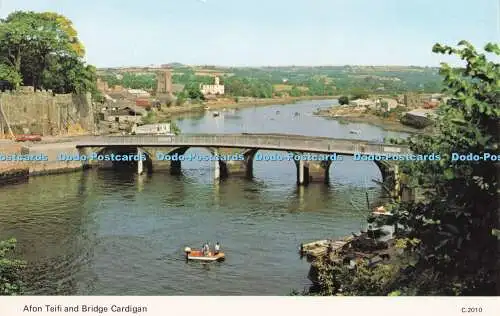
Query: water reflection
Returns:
{"type": "Point", "coordinates": [105, 232]}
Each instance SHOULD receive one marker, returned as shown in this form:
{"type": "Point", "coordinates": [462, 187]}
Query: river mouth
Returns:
{"type": "Point", "coordinates": [110, 232]}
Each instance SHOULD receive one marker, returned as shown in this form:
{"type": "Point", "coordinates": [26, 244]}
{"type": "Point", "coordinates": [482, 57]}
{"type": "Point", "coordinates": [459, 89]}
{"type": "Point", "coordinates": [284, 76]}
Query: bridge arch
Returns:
{"type": "Point", "coordinates": [249, 144]}
{"type": "Point", "coordinates": [124, 150]}
{"type": "Point", "coordinates": [222, 167]}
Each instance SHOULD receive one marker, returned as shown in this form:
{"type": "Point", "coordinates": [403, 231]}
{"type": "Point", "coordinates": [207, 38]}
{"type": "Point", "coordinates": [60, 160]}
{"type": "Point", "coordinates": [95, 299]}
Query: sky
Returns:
{"type": "Point", "coordinates": [271, 32]}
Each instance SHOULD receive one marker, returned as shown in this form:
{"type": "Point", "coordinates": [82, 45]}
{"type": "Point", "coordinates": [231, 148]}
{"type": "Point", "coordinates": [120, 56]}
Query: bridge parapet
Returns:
{"type": "Point", "coordinates": [250, 141]}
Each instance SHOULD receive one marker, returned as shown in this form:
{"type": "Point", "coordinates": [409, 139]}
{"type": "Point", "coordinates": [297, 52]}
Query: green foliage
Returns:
{"type": "Point", "coordinates": [296, 92]}
{"type": "Point", "coordinates": [447, 243]}
{"type": "Point", "coordinates": [248, 87]}
{"type": "Point", "coordinates": [359, 93]}
{"type": "Point", "coordinates": [455, 221]}
{"type": "Point", "coordinates": [43, 49]}
{"type": "Point", "coordinates": [10, 74]}
{"type": "Point", "coordinates": [336, 278]}
{"type": "Point", "coordinates": [343, 100]}
{"type": "Point", "coordinates": [134, 81]}
{"type": "Point", "coordinates": [174, 128]}
{"type": "Point", "coordinates": [193, 92]}
{"type": "Point", "coordinates": [10, 269]}
{"type": "Point", "coordinates": [150, 118]}
{"type": "Point", "coordinates": [334, 80]}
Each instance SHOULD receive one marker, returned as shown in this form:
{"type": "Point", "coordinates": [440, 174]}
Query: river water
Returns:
{"type": "Point", "coordinates": [101, 232]}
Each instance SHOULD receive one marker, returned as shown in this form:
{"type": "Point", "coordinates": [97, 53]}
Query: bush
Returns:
{"type": "Point", "coordinates": [343, 100]}
{"type": "Point", "coordinates": [10, 269]}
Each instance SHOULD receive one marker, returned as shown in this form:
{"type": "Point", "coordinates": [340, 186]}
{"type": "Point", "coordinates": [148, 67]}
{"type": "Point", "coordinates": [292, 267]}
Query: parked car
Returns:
{"type": "Point", "coordinates": [28, 138]}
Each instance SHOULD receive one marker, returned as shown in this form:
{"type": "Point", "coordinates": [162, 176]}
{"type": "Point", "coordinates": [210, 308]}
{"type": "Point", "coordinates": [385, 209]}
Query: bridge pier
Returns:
{"type": "Point", "coordinates": [396, 182]}
{"type": "Point", "coordinates": [302, 172]}
{"type": "Point", "coordinates": [140, 166]}
{"type": "Point", "coordinates": [313, 171]}
{"type": "Point", "coordinates": [235, 167]}
{"type": "Point", "coordinates": [217, 167]}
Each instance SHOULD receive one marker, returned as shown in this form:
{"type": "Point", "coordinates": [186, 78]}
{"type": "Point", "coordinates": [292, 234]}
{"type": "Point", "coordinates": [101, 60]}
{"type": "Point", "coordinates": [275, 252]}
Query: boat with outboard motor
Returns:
{"type": "Point", "coordinates": [198, 255]}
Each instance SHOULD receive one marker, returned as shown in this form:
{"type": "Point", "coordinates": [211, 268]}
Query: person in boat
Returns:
{"type": "Point", "coordinates": [206, 249]}
{"type": "Point", "coordinates": [216, 248]}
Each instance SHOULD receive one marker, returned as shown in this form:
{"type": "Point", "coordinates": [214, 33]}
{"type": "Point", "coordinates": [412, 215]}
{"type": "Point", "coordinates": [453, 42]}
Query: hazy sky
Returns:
{"type": "Point", "coordinates": [271, 32]}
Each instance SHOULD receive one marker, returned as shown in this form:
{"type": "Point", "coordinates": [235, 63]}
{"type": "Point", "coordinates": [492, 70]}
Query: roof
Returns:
{"type": "Point", "coordinates": [422, 112]}
{"type": "Point", "coordinates": [142, 102]}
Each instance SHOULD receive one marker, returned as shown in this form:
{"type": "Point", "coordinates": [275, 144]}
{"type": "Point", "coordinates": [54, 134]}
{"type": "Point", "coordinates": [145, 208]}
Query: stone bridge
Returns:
{"type": "Point", "coordinates": [247, 145]}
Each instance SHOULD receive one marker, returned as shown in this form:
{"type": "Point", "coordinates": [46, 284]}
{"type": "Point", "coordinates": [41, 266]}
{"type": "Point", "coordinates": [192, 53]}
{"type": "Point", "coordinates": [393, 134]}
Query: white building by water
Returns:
{"type": "Point", "coordinates": [215, 89]}
{"type": "Point", "coordinates": [158, 129]}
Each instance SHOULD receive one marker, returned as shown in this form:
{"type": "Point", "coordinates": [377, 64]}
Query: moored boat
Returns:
{"type": "Point", "coordinates": [198, 255]}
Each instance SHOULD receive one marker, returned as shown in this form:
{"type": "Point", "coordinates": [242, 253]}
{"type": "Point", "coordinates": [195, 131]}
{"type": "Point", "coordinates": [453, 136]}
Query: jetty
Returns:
{"type": "Point", "coordinates": [320, 248]}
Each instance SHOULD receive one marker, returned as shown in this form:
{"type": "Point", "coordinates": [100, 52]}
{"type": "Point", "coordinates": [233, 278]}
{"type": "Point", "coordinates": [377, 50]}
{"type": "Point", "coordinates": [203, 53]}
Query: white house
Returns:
{"type": "Point", "coordinates": [214, 89]}
{"type": "Point", "coordinates": [158, 129]}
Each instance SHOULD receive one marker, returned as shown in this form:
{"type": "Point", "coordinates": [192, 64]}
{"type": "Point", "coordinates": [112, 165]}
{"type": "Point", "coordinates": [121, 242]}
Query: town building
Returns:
{"type": "Point", "coordinates": [164, 82]}
{"type": "Point", "coordinates": [139, 93]}
{"type": "Point", "coordinates": [145, 103]}
{"type": "Point", "coordinates": [125, 114]}
{"type": "Point", "coordinates": [213, 89]}
{"type": "Point", "coordinates": [158, 129]}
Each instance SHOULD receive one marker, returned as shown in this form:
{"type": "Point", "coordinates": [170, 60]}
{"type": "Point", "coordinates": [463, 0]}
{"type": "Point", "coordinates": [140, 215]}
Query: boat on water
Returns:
{"type": "Point", "coordinates": [198, 255]}
{"type": "Point", "coordinates": [215, 114]}
{"type": "Point", "coordinates": [355, 131]}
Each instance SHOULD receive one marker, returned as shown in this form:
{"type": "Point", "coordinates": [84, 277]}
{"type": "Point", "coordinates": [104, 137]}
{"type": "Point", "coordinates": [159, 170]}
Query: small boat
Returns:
{"type": "Point", "coordinates": [215, 114]}
{"type": "Point", "coordinates": [355, 131]}
{"type": "Point", "coordinates": [199, 256]}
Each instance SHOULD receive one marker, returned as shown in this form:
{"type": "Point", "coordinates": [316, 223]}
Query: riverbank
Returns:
{"type": "Point", "coordinates": [16, 171]}
{"type": "Point", "coordinates": [361, 115]}
{"type": "Point", "coordinates": [233, 104]}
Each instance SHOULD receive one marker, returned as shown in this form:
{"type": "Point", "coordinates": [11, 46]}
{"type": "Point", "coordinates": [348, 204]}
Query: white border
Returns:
{"type": "Point", "coordinates": [276, 306]}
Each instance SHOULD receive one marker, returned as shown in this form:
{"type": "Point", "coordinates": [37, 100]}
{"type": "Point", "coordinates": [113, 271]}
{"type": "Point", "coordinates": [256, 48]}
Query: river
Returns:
{"type": "Point", "coordinates": [101, 232]}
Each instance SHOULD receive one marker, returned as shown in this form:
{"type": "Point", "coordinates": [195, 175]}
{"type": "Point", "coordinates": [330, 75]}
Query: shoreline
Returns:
{"type": "Point", "coordinates": [11, 173]}
{"type": "Point", "coordinates": [390, 123]}
{"type": "Point", "coordinates": [176, 111]}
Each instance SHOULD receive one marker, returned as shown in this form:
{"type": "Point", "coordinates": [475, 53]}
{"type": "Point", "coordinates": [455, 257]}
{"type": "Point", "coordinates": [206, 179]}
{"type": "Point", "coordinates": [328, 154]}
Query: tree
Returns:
{"type": "Point", "coordinates": [456, 221]}
{"type": "Point", "coordinates": [9, 74]}
{"type": "Point", "coordinates": [193, 92]}
{"type": "Point", "coordinates": [44, 49]}
{"type": "Point", "coordinates": [358, 93]}
{"type": "Point", "coordinates": [343, 100]}
{"type": "Point", "coordinates": [66, 27]}
{"type": "Point", "coordinates": [449, 240]}
{"type": "Point", "coordinates": [295, 92]}
{"type": "Point", "coordinates": [10, 269]}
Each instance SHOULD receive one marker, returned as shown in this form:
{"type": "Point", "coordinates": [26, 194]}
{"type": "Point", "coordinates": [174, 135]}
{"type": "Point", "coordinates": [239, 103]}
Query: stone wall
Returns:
{"type": "Point", "coordinates": [53, 165]}
{"type": "Point", "coordinates": [44, 113]}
